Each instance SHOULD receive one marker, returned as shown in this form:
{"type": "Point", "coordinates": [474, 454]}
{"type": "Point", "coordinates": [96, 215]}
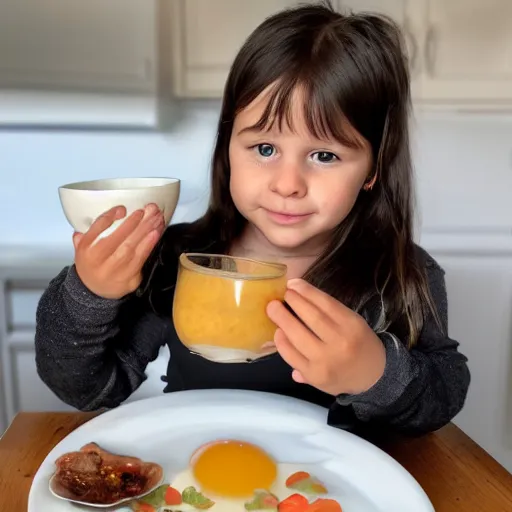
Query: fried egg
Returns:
{"type": "Point", "coordinates": [229, 472]}
{"type": "Point", "coordinates": [232, 469]}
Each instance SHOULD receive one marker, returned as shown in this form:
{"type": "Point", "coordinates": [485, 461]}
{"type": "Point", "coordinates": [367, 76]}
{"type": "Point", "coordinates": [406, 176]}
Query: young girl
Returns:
{"type": "Point", "coordinates": [311, 168]}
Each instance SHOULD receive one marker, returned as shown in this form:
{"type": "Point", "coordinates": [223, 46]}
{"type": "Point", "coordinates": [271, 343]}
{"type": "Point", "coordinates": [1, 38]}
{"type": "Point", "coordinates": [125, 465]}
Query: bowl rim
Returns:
{"type": "Point", "coordinates": [82, 186]}
{"type": "Point", "coordinates": [279, 268]}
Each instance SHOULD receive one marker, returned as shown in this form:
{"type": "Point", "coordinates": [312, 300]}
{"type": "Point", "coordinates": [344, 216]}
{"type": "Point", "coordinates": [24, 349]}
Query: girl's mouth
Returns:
{"type": "Point", "coordinates": [287, 218]}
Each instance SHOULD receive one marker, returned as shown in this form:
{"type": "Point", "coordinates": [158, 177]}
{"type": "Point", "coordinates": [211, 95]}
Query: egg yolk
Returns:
{"type": "Point", "coordinates": [233, 469]}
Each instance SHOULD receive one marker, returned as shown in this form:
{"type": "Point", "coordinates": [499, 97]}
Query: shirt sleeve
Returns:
{"type": "Point", "coordinates": [422, 389]}
{"type": "Point", "coordinates": [90, 351]}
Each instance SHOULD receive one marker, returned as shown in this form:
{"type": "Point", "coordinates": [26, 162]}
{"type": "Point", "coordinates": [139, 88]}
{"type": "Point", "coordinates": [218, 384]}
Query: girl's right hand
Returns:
{"type": "Point", "coordinates": [111, 267]}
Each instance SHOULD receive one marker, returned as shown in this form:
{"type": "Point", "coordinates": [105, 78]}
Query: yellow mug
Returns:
{"type": "Point", "coordinates": [219, 307]}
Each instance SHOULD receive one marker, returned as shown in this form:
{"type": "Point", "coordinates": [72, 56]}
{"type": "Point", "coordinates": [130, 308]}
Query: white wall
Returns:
{"type": "Point", "coordinates": [34, 163]}
{"type": "Point", "coordinates": [464, 169]}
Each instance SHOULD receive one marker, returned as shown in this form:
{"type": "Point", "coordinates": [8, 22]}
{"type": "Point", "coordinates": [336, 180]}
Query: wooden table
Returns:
{"type": "Point", "coordinates": [455, 472]}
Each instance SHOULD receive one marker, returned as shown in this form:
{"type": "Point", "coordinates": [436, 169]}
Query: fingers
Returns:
{"type": "Point", "coordinates": [153, 220]}
{"type": "Point", "coordinates": [289, 353]}
{"type": "Point", "coordinates": [134, 250]}
{"type": "Point", "coordinates": [145, 247]}
{"type": "Point", "coordinates": [297, 334]}
{"type": "Point", "coordinates": [140, 241]}
{"type": "Point", "coordinates": [298, 377]}
{"type": "Point", "coordinates": [112, 243]}
{"type": "Point", "coordinates": [77, 237]}
{"type": "Point", "coordinates": [313, 317]}
{"type": "Point", "coordinates": [111, 265]}
{"type": "Point", "coordinates": [102, 223]}
{"type": "Point", "coordinates": [323, 301]}
{"type": "Point", "coordinates": [123, 242]}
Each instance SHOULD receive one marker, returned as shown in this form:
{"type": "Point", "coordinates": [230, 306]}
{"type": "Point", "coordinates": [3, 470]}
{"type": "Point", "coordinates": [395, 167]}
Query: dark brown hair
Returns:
{"type": "Point", "coordinates": [354, 74]}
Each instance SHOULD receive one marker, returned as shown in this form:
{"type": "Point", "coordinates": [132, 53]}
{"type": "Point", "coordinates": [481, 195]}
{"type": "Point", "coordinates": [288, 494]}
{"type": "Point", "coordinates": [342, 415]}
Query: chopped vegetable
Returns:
{"type": "Point", "coordinates": [304, 482]}
{"type": "Point", "coordinates": [294, 503]}
{"type": "Point", "coordinates": [324, 505]}
{"type": "Point", "coordinates": [296, 477]}
{"type": "Point", "coordinates": [172, 496]}
{"type": "Point", "coordinates": [194, 498]}
{"type": "Point", "coordinates": [139, 506]}
{"type": "Point", "coordinates": [263, 500]}
{"type": "Point", "coordinates": [155, 498]}
{"type": "Point", "coordinates": [316, 487]}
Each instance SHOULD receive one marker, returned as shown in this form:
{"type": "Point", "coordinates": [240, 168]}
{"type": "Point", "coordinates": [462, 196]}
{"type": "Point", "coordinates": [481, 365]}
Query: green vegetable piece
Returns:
{"type": "Point", "coordinates": [156, 498]}
{"type": "Point", "coordinates": [262, 500]}
{"type": "Point", "coordinates": [197, 500]}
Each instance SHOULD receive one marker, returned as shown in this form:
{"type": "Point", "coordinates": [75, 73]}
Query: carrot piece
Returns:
{"type": "Point", "coordinates": [172, 496]}
{"type": "Point", "coordinates": [296, 477]}
{"type": "Point", "coordinates": [324, 505]}
{"type": "Point", "coordinates": [140, 506]}
{"type": "Point", "coordinates": [294, 503]}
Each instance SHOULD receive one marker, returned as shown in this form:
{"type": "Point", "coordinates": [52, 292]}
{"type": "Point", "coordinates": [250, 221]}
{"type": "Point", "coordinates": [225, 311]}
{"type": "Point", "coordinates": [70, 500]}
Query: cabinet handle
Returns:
{"type": "Point", "coordinates": [412, 47]}
{"type": "Point", "coordinates": [430, 50]}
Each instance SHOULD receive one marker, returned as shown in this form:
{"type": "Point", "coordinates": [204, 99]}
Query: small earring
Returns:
{"type": "Point", "coordinates": [369, 184]}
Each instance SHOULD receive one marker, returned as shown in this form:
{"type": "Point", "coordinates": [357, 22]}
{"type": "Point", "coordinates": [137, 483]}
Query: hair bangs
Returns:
{"type": "Point", "coordinates": [321, 111]}
{"type": "Point", "coordinates": [324, 115]}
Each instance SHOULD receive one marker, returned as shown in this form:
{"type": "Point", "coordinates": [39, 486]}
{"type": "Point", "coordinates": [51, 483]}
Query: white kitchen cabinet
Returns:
{"type": "Point", "coordinates": [74, 62]}
{"type": "Point", "coordinates": [398, 10]}
{"type": "Point", "coordinates": [28, 392]}
{"type": "Point", "coordinates": [24, 274]}
{"type": "Point", "coordinates": [464, 52]}
{"type": "Point", "coordinates": [22, 389]}
{"type": "Point", "coordinates": [480, 317]}
{"type": "Point", "coordinates": [3, 415]}
{"type": "Point", "coordinates": [460, 51]}
{"type": "Point", "coordinates": [401, 11]}
{"type": "Point", "coordinates": [203, 52]}
{"type": "Point", "coordinates": [71, 44]}
{"type": "Point", "coordinates": [206, 35]}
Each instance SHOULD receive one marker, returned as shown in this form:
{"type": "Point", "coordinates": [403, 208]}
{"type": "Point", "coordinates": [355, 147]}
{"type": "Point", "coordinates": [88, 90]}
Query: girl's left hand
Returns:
{"type": "Point", "coordinates": [331, 347]}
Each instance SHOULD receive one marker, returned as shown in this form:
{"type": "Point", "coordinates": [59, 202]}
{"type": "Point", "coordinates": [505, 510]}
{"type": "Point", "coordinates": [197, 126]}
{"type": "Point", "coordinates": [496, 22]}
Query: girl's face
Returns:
{"type": "Point", "coordinates": [292, 187]}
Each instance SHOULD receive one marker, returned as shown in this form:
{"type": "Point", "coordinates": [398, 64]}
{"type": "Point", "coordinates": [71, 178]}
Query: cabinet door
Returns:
{"type": "Point", "coordinates": [467, 51]}
{"type": "Point", "coordinates": [399, 11]}
{"type": "Point", "coordinates": [3, 411]}
{"type": "Point", "coordinates": [20, 385]}
{"type": "Point", "coordinates": [207, 34]}
{"type": "Point", "coordinates": [92, 45]}
{"type": "Point", "coordinates": [480, 318]}
{"type": "Point", "coordinates": [29, 393]}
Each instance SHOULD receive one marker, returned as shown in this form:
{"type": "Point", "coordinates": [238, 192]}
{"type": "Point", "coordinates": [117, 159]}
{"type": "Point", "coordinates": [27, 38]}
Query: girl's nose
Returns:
{"type": "Point", "coordinates": [288, 181]}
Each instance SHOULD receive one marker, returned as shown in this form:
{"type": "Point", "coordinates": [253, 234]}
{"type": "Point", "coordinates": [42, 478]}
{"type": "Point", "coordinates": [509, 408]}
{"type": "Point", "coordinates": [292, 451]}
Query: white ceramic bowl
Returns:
{"type": "Point", "coordinates": [85, 201]}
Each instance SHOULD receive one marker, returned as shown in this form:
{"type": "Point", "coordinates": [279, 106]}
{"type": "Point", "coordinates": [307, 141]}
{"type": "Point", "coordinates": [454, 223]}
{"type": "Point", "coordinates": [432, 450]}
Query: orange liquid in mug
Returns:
{"type": "Point", "coordinates": [226, 312]}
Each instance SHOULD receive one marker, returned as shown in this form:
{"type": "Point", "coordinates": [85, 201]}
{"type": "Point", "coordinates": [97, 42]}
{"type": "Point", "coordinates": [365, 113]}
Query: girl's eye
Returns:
{"type": "Point", "coordinates": [266, 150]}
{"type": "Point", "coordinates": [325, 157]}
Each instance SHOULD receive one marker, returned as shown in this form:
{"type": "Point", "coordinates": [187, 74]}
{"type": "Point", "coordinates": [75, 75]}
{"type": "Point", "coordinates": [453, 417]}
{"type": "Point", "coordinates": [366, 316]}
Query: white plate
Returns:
{"type": "Point", "coordinates": [167, 429]}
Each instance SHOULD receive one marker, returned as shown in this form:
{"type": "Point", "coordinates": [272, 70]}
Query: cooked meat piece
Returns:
{"type": "Point", "coordinates": [94, 475]}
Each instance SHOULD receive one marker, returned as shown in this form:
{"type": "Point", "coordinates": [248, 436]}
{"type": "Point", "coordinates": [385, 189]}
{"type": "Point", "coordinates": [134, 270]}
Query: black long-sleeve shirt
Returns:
{"type": "Point", "coordinates": [92, 353]}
